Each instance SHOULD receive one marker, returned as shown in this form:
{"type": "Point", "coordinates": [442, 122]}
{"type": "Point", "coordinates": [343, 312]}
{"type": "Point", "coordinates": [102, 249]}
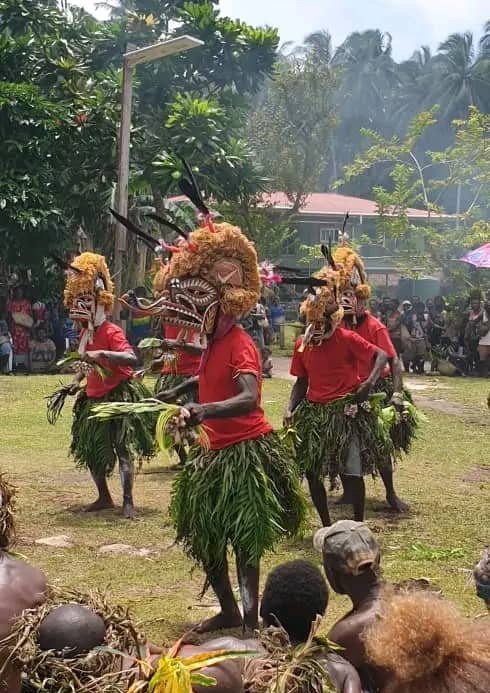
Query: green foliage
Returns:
{"type": "Point", "coordinates": [289, 129]}
{"type": "Point", "coordinates": [431, 244]}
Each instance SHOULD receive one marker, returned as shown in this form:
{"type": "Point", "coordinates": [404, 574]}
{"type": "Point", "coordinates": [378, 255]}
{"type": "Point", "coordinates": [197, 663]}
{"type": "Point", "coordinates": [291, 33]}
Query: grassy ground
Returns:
{"type": "Point", "coordinates": [441, 539]}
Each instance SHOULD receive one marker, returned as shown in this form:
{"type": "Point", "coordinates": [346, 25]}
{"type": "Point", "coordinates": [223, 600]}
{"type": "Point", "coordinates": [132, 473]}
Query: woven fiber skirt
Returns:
{"type": "Point", "coordinates": [325, 433]}
{"type": "Point", "coordinates": [247, 496]}
{"type": "Point", "coordinates": [94, 441]}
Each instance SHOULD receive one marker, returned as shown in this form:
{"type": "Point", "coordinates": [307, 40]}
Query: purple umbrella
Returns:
{"type": "Point", "coordinates": [480, 257]}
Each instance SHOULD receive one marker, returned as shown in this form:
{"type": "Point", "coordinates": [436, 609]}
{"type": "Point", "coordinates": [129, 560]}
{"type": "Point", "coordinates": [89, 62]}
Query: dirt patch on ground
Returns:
{"type": "Point", "coordinates": [443, 406]}
{"type": "Point", "coordinates": [477, 475]}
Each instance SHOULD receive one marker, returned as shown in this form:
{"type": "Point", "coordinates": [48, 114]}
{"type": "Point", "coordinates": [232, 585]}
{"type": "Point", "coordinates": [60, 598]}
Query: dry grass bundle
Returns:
{"type": "Point", "coordinates": [99, 671]}
{"type": "Point", "coordinates": [288, 669]}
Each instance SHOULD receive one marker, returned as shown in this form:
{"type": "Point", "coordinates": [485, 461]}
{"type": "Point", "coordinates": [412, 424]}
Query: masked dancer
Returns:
{"type": "Point", "coordinates": [338, 431]}
{"type": "Point", "coordinates": [354, 294]}
{"type": "Point", "coordinates": [106, 362]}
{"type": "Point", "coordinates": [244, 492]}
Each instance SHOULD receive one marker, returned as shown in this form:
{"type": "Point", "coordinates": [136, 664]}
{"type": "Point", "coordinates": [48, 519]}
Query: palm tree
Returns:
{"type": "Point", "coordinates": [461, 77]}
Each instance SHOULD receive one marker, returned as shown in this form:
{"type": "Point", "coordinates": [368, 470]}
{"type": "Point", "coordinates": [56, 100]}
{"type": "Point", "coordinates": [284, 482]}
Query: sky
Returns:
{"type": "Point", "coordinates": [412, 23]}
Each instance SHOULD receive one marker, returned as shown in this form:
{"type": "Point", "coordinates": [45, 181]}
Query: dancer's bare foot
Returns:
{"type": "Point", "coordinates": [397, 504]}
{"type": "Point", "coordinates": [219, 622]}
{"type": "Point", "coordinates": [100, 504]}
{"type": "Point", "coordinates": [129, 511]}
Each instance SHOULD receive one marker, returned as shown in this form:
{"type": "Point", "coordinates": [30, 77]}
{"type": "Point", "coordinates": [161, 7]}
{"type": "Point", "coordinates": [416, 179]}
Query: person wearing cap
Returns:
{"type": "Point", "coordinates": [351, 560]}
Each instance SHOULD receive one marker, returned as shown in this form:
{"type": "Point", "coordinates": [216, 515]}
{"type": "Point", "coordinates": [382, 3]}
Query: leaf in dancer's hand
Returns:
{"type": "Point", "coordinates": [150, 343]}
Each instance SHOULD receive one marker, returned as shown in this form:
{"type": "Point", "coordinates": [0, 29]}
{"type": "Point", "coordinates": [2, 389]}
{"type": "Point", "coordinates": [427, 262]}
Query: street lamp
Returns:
{"type": "Point", "coordinates": [130, 60]}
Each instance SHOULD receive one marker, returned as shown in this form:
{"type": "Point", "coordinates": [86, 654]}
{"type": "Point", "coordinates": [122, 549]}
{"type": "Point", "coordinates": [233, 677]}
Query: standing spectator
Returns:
{"type": "Point", "coordinates": [5, 341]}
{"type": "Point", "coordinates": [414, 338]}
{"type": "Point", "coordinates": [484, 341]}
{"type": "Point", "coordinates": [20, 321]}
{"type": "Point", "coordinates": [394, 325]}
{"type": "Point", "coordinates": [42, 351]}
{"type": "Point", "coordinates": [472, 330]}
{"type": "Point", "coordinates": [255, 324]}
{"type": "Point", "coordinates": [278, 315]}
{"type": "Point", "coordinates": [375, 307]}
{"type": "Point", "coordinates": [385, 308]}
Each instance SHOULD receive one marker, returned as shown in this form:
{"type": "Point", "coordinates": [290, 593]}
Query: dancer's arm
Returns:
{"type": "Point", "coordinates": [380, 361]}
{"type": "Point", "coordinates": [396, 374]}
{"type": "Point", "coordinates": [298, 393]}
{"type": "Point", "coordinates": [175, 392]}
{"type": "Point", "coordinates": [119, 358]}
{"type": "Point", "coordinates": [242, 403]}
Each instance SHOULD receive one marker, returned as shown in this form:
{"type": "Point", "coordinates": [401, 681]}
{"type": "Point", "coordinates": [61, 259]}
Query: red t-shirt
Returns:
{"type": "Point", "coordinates": [374, 332]}
{"type": "Point", "coordinates": [108, 337]}
{"type": "Point", "coordinates": [232, 355]}
{"type": "Point", "coordinates": [185, 362]}
{"type": "Point", "coordinates": [333, 367]}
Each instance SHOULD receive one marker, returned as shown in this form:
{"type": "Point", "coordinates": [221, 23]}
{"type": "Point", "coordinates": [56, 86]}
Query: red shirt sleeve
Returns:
{"type": "Point", "coordinates": [359, 346]}
{"type": "Point", "coordinates": [297, 365]}
{"type": "Point", "coordinates": [245, 357]}
{"type": "Point", "coordinates": [117, 340]}
{"type": "Point", "coordinates": [383, 341]}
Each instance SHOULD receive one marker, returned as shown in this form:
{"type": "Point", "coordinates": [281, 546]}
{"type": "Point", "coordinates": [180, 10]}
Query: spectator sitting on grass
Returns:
{"type": "Point", "coordinates": [42, 351]}
{"type": "Point", "coordinates": [424, 645]}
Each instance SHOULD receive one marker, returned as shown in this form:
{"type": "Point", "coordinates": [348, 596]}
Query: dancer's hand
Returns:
{"type": "Point", "coordinates": [197, 413]}
{"type": "Point", "coordinates": [363, 391]}
{"type": "Point", "coordinates": [397, 401]}
{"type": "Point", "coordinates": [92, 356]}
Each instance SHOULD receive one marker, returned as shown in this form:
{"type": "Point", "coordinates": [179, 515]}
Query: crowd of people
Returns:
{"type": "Point", "coordinates": [431, 334]}
{"type": "Point", "coordinates": [33, 334]}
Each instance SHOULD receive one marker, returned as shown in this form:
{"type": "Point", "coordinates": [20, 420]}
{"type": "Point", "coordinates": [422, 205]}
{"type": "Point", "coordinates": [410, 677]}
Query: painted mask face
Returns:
{"type": "Point", "coordinates": [348, 301]}
{"type": "Point", "coordinates": [193, 304]}
{"type": "Point", "coordinates": [322, 313]}
{"type": "Point", "coordinates": [83, 309]}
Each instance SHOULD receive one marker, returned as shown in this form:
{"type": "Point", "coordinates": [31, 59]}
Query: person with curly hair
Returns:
{"type": "Point", "coordinates": [295, 595]}
{"type": "Point", "coordinates": [423, 645]}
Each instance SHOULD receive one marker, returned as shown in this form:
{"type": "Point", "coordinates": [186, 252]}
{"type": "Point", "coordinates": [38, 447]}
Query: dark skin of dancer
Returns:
{"type": "Point", "coordinates": [242, 403]}
{"type": "Point", "coordinates": [104, 501]}
{"type": "Point", "coordinates": [386, 474]}
{"type": "Point", "coordinates": [355, 486]}
{"type": "Point", "coordinates": [21, 587]}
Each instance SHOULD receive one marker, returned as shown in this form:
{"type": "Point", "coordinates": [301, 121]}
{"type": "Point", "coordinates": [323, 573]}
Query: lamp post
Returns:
{"type": "Point", "coordinates": [130, 60]}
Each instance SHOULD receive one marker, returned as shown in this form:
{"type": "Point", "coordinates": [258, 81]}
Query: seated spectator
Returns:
{"type": "Point", "coordinates": [351, 559]}
{"type": "Point", "coordinates": [295, 594]}
{"type": "Point", "coordinates": [424, 645]}
{"type": "Point", "coordinates": [6, 353]}
{"type": "Point", "coordinates": [42, 351]}
{"type": "Point", "coordinates": [20, 320]}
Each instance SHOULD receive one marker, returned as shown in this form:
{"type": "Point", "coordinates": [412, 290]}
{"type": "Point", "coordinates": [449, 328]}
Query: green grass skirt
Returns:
{"type": "Point", "coordinates": [325, 432]}
{"type": "Point", "coordinates": [402, 433]}
{"type": "Point", "coordinates": [167, 381]}
{"type": "Point", "coordinates": [94, 441]}
{"type": "Point", "coordinates": [247, 495]}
